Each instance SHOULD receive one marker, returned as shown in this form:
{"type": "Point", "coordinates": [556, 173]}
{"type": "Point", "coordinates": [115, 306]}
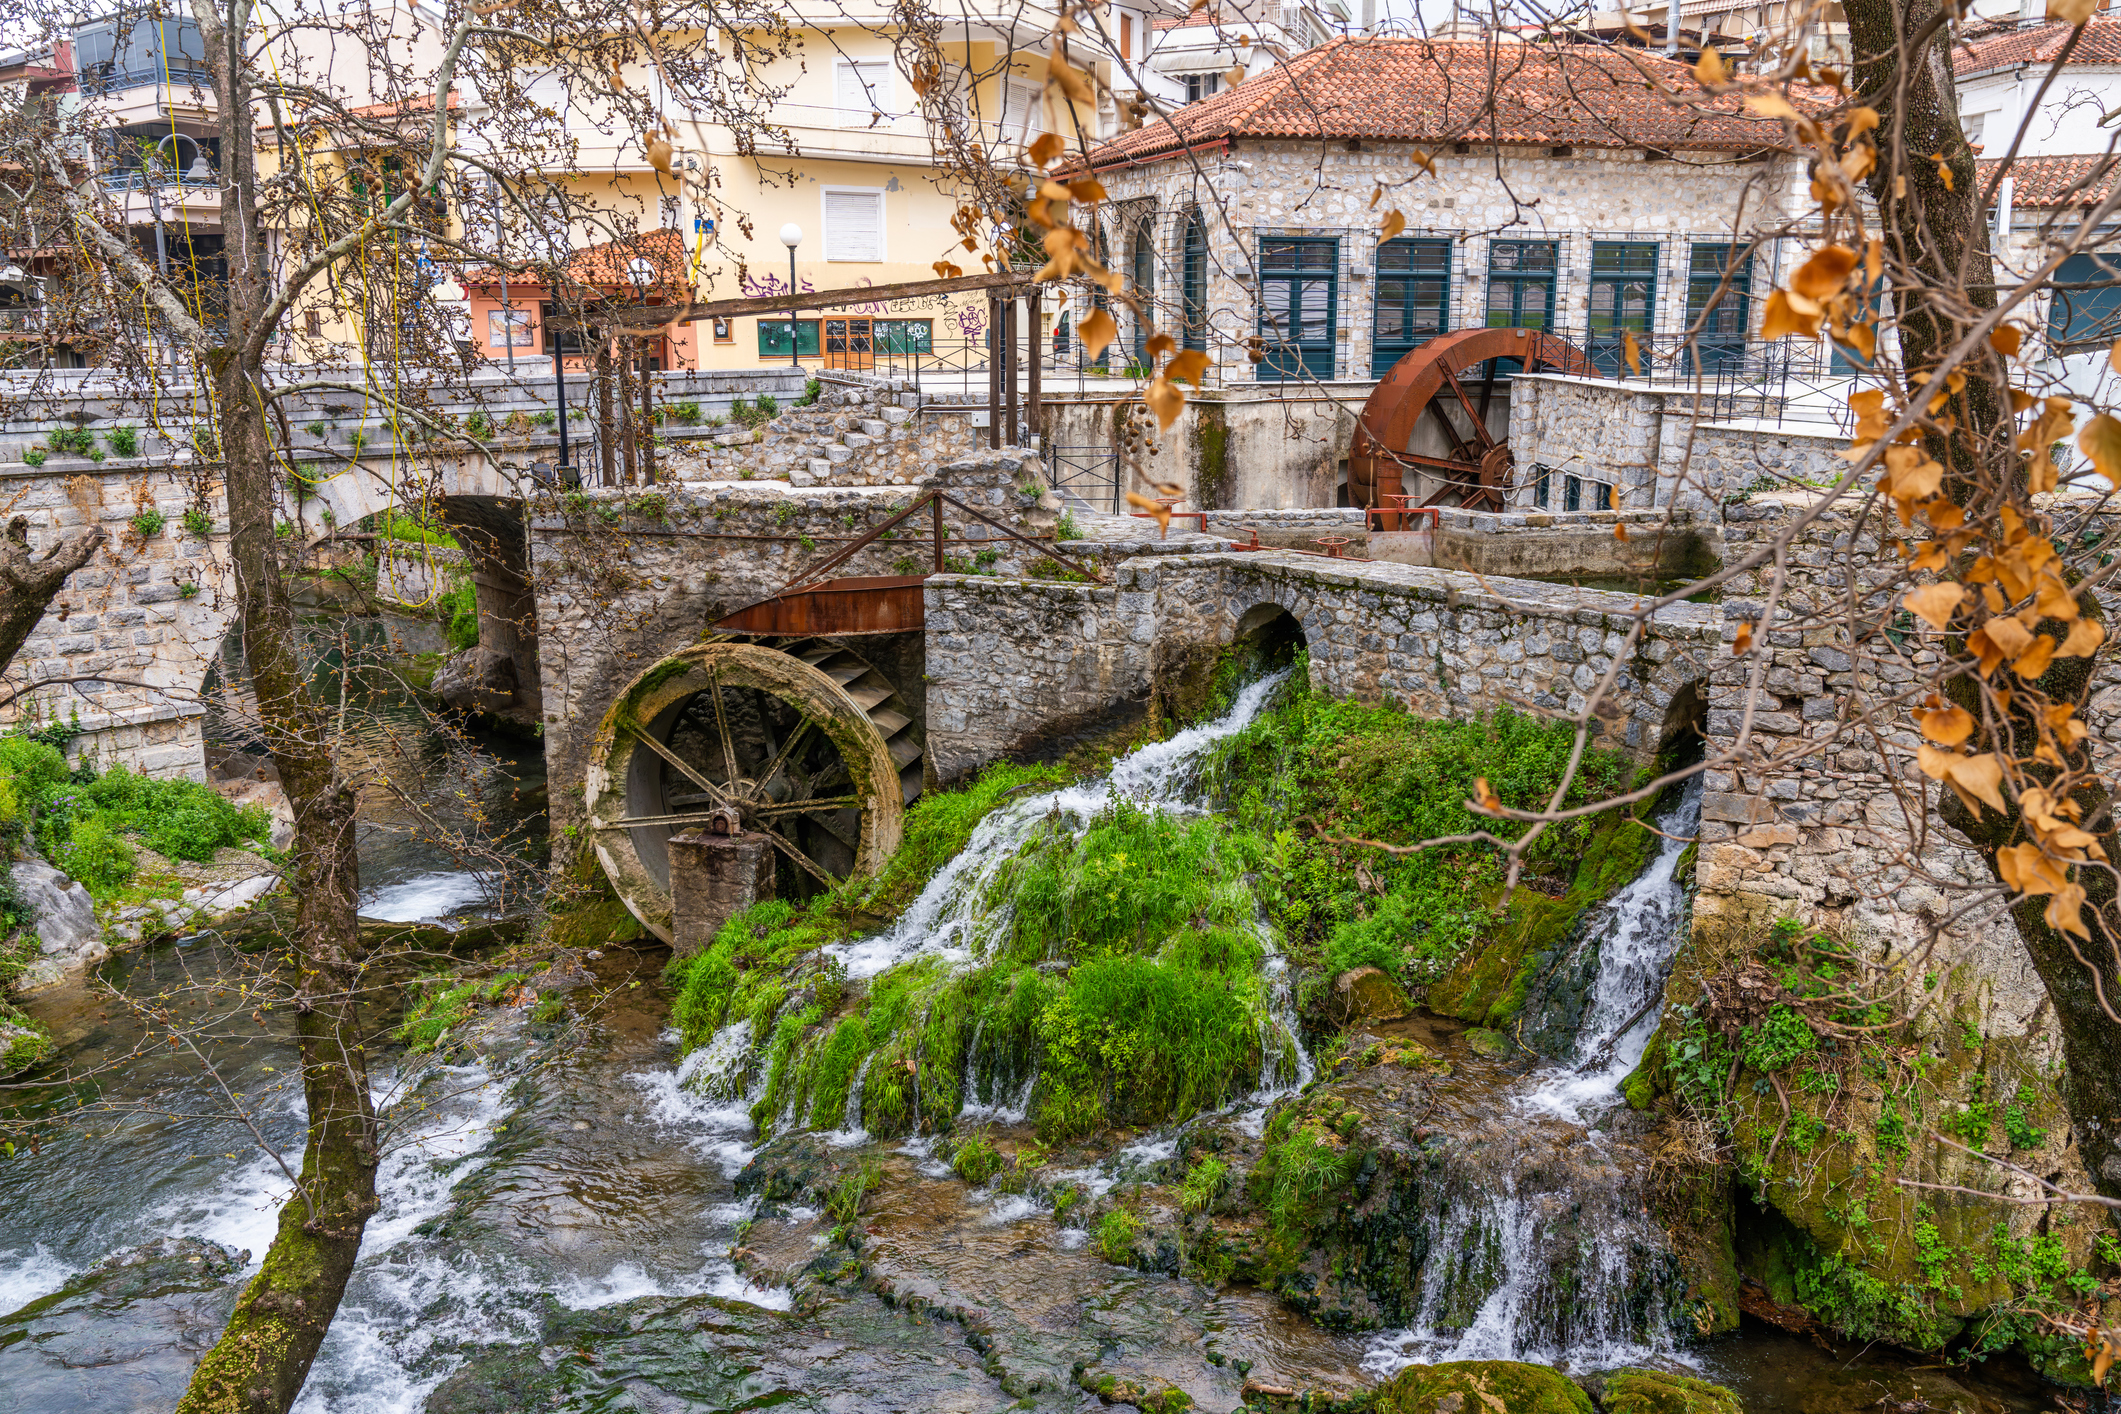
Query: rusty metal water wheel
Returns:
{"type": "Point", "coordinates": [1448, 383]}
{"type": "Point", "coordinates": [808, 745]}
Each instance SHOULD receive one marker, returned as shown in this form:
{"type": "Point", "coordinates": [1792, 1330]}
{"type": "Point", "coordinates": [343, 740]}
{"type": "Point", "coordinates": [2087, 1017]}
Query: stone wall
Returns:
{"type": "Point", "coordinates": [1652, 445]}
{"type": "Point", "coordinates": [1231, 447]}
{"type": "Point", "coordinates": [126, 644]}
{"type": "Point", "coordinates": [1845, 837]}
{"type": "Point", "coordinates": [1006, 661]}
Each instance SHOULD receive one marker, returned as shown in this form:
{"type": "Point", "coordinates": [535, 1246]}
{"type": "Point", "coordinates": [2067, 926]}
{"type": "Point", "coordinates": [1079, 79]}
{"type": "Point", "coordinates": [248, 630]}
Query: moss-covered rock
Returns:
{"type": "Point", "coordinates": [1480, 1387]}
{"type": "Point", "coordinates": [1369, 994]}
{"type": "Point", "coordinates": [1661, 1392]}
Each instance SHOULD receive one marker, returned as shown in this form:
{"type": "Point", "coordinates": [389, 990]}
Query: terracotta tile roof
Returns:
{"type": "Point", "coordinates": [606, 265]}
{"type": "Point", "coordinates": [2057, 181]}
{"type": "Point", "coordinates": [1232, 20]}
{"type": "Point", "coordinates": [2006, 47]}
{"type": "Point", "coordinates": [1423, 90]}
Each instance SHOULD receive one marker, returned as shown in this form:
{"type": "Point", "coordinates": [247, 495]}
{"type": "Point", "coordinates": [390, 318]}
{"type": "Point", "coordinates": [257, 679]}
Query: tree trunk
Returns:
{"type": "Point", "coordinates": [263, 1357]}
{"type": "Point", "coordinates": [27, 584]}
{"type": "Point", "coordinates": [1938, 235]}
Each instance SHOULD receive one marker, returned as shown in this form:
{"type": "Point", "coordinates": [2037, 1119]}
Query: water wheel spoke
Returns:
{"type": "Point", "coordinates": [642, 735]}
{"type": "Point", "coordinates": [721, 724]}
{"type": "Point", "coordinates": [800, 859]}
{"type": "Point", "coordinates": [781, 757]}
{"type": "Point", "coordinates": [801, 807]}
{"type": "Point", "coordinates": [1450, 429]}
{"type": "Point", "coordinates": [1480, 424]}
{"type": "Point", "coordinates": [633, 820]}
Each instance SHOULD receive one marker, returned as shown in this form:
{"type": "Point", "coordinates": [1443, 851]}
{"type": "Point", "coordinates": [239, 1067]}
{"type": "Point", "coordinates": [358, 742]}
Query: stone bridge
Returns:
{"type": "Point", "coordinates": [1011, 661]}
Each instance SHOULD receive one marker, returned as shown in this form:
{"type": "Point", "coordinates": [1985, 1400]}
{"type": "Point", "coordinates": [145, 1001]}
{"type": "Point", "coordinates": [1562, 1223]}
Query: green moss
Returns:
{"type": "Point", "coordinates": [1211, 455]}
{"type": "Point", "coordinates": [594, 922]}
{"type": "Point", "coordinates": [24, 1041]}
{"type": "Point", "coordinates": [1661, 1392]}
{"type": "Point", "coordinates": [1480, 1387]}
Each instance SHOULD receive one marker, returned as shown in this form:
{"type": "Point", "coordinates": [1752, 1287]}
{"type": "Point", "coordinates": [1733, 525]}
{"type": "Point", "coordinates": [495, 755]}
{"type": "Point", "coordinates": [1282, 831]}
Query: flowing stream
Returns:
{"type": "Point", "coordinates": [557, 1225]}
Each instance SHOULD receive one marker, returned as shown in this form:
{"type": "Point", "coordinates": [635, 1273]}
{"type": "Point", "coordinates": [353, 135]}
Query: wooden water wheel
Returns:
{"type": "Point", "coordinates": [808, 744]}
{"type": "Point", "coordinates": [1449, 383]}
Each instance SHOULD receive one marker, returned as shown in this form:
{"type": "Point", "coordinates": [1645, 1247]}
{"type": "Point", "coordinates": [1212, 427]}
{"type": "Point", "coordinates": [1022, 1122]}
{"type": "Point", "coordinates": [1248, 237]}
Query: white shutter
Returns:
{"type": "Point", "coordinates": [864, 90]}
{"type": "Point", "coordinates": [1020, 111]}
{"type": "Point", "coordinates": [854, 225]}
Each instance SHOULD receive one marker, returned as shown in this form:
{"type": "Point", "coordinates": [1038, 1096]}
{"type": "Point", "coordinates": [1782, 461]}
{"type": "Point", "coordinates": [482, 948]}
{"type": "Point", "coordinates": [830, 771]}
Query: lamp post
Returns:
{"type": "Point", "coordinates": [791, 237]}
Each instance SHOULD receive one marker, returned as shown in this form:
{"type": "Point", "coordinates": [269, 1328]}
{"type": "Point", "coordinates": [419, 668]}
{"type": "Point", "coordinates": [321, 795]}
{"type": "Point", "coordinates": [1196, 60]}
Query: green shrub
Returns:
{"type": "Point", "coordinates": [205, 441]}
{"type": "Point", "coordinates": [33, 457]}
{"type": "Point", "coordinates": [545, 417]}
{"type": "Point", "coordinates": [459, 612]}
{"type": "Point", "coordinates": [811, 389]}
{"type": "Point", "coordinates": [317, 429]}
{"type": "Point", "coordinates": [976, 1160]}
{"type": "Point", "coordinates": [97, 855]}
{"type": "Point", "coordinates": [124, 441]}
{"type": "Point", "coordinates": [356, 440]}
{"type": "Point", "coordinates": [479, 425]}
{"type": "Point", "coordinates": [397, 525]}
{"type": "Point", "coordinates": [71, 439]}
{"type": "Point", "coordinates": [148, 524]}
{"type": "Point", "coordinates": [765, 408]}
{"type": "Point", "coordinates": [199, 522]}
{"type": "Point", "coordinates": [687, 413]}
{"type": "Point", "coordinates": [1117, 1233]}
{"type": "Point", "coordinates": [178, 819]}
{"type": "Point", "coordinates": [1204, 1184]}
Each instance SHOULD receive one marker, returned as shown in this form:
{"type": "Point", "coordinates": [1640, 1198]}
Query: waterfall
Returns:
{"type": "Point", "coordinates": [951, 918]}
{"type": "Point", "coordinates": [1543, 1249]}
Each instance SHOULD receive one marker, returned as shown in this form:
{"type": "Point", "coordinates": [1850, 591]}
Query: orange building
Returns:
{"type": "Point", "coordinates": [514, 313]}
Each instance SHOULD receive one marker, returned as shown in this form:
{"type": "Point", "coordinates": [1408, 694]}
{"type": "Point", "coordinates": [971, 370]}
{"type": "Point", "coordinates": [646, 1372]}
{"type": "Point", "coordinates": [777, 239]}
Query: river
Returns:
{"type": "Point", "coordinates": [558, 1218]}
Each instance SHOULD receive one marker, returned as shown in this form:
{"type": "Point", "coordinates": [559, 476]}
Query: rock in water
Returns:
{"type": "Point", "coordinates": [1659, 1392]}
{"type": "Point", "coordinates": [480, 679]}
{"type": "Point", "coordinates": [1369, 994]}
{"type": "Point", "coordinates": [1480, 1387]}
{"type": "Point", "coordinates": [66, 924]}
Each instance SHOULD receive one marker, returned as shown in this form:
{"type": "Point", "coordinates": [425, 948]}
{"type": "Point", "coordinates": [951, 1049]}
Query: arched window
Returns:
{"type": "Point", "coordinates": [1193, 282]}
{"type": "Point", "coordinates": [1142, 278]}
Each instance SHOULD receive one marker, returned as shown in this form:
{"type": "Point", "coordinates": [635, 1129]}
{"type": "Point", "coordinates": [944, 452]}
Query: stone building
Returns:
{"type": "Point", "coordinates": [1577, 200]}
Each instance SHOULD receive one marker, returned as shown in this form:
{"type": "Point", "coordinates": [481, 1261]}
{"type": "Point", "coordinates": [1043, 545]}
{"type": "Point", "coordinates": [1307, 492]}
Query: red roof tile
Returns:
{"type": "Point", "coordinates": [2057, 181]}
{"type": "Point", "coordinates": [2005, 48]}
{"type": "Point", "coordinates": [1423, 90]}
{"type": "Point", "coordinates": [607, 265]}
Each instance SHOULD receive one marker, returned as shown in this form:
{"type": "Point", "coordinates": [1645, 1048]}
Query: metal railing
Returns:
{"type": "Point", "coordinates": [1089, 474]}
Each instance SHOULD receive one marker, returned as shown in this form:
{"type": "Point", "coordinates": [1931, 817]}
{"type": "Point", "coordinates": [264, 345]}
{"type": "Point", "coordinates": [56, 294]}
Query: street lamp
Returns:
{"type": "Point", "coordinates": [791, 237]}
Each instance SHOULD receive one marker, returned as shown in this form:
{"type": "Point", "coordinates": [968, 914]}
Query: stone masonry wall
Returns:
{"type": "Point", "coordinates": [1845, 838]}
{"type": "Point", "coordinates": [852, 436]}
{"type": "Point", "coordinates": [1644, 442]}
{"type": "Point", "coordinates": [1007, 660]}
{"type": "Point", "coordinates": [125, 644]}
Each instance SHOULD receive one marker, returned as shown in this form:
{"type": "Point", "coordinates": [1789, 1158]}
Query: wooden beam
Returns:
{"type": "Point", "coordinates": [651, 316]}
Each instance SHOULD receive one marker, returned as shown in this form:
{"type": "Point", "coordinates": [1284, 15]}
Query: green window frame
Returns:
{"type": "Point", "coordinates": [773, 338]}
{"type": "Point", "coordinates": [1193, 287]}
{"type": "Point", "coordinates": [1299, 298]}
{"type": "Point", "coordinates": [1720, 344]}
{"type": "Point", "coordinates": [905, 336]}
{"type": "Point", "coordinates": [1412, 301]}
{"type": "Point", "coordinates": [1521, 279]}
{"type": "Point", "coordinates": [1623, 301]}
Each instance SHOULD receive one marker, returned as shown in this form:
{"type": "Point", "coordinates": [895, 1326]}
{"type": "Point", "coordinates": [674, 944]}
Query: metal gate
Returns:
{"type": "Point", "coordinates": [1087, 474]}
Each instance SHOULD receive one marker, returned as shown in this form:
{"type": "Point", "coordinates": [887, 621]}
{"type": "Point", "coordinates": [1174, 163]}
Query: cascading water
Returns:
{"type": "Point", "coordinates": [1542, 1248]}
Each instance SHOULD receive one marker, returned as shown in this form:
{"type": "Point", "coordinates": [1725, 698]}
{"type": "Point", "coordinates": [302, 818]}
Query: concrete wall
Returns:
{"type": "Point", "coordinates": [1232, 447]}
{"type": "Point", "coordinates": [1656, 445]}
{"type": "Point", "coordinates": [1007, 660]}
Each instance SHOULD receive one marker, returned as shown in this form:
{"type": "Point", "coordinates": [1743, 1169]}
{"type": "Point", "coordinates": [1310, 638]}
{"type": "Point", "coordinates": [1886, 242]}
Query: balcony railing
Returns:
{"type": "Point", "coordinates": [141, 178]}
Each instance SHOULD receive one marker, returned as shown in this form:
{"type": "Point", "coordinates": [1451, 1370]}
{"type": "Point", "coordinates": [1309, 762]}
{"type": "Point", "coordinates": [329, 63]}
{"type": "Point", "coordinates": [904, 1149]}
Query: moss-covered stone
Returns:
{"type": "Point", "coordinates": [1480, 1387]}
{"type": "Point", "coordinates": [1660, 1392]}
{"type": "Point", "coordinates": [1369, 994]}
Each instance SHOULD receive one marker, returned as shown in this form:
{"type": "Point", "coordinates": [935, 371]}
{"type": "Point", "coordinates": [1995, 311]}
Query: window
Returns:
{"type": "Point", "coordinates": [1298, 281]}
{"type": "Point", "coordinates": [1520, 284]}
{"type": "Point", "coordinates": [1721, 342]}
{"type": "Point", "coordinates": [1126, 39]}
{"type": "Point", "coordinates": [1413, 299]}
{"type": "Point", "coordinates": [1021, 100]}
{"type": "Point", "coordinates": [1141, 276]}
{"type": "Point", "coordinates": [1193, 278]}
{"type": "Point", "coordinates": [905, 336]}
{"type": "Point", "coordinates": [1577, 491]}
{"type": "Point", "coordinates": [313, 323]}
{"type": "Point", "coordinates": [864, 91]}
{"type": "Point", "coordinates": [2086, 304]}
{"type": "Point", "coordinates": [773, 338]}
{"type": "Point", "coordinates": [1541, 478]}
{"type": "Point", "coordinates": [1623, 300]}
{"type": "Point", "coordinates": [1199, 86]}
{"type": "Point", "coordinates": [724, 331]}
{"type": "Point", "coordinates": [854, 225]}
{"type": "Point", "coordinates": [569, 341]}
{"type": "Point", "coordinates": [509, 328]}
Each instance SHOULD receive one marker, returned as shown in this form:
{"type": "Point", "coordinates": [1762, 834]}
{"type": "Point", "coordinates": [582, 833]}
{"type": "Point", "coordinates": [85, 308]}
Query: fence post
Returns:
{"type": "Point", "coordinates": [935, 503]}
{"type": "Point", "coordinates": [1032, 410]}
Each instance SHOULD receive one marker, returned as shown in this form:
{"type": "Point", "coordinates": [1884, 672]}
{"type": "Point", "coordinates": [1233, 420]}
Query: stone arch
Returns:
{"type": "Point", "coordinates": [1269, 634]}
{"type": "Point", "coordinates": [485, 504]}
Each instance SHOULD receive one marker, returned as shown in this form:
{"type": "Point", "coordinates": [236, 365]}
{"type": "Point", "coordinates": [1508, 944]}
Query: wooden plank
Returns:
{"type": "Point", "coordinates": [653, 316]}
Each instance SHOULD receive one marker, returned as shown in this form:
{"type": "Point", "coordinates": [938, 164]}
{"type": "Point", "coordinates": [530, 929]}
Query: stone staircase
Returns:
{"type": "Point", "coordinates": [852, 436]}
